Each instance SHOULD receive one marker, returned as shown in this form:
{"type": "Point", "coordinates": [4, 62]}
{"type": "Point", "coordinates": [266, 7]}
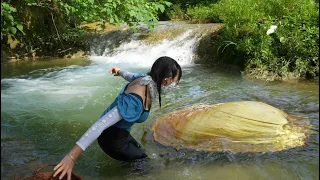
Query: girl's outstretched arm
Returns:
{"type": "Point", "coordinates": [123, 73]}
{"type": "Point", "coordinates": [67, 163]}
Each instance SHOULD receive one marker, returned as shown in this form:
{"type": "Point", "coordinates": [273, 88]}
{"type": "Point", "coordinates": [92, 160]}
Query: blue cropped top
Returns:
{"type": "Point", "coordinates": [130, 106]}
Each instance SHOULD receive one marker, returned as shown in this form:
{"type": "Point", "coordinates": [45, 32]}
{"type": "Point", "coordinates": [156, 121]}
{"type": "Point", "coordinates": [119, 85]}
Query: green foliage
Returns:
{"type": "Point", "coordinates": [9, 24]}
{"type": "Point", "coordinates": [50, 23]}
{"type": "Point", "coordinates": [114, 11]}
{"type": "Point", "coordinates": [291, 51]}
{"type": "Point", "coordinates": [180, 7]}
{"type": "Point", "coordinates": [204, 13]}
{"type": "Point", "coordinates": [176, 12]}
{"type": "Point", "coordinates": [184, 4]}
{"type": "Point", "coordinates": [76, 12]}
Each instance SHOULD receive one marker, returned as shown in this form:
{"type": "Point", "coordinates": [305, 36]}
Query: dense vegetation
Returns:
{"type": "Point", "coordinates": [30, 24]}
{"type": "Point", "coordinates": [290, 50]}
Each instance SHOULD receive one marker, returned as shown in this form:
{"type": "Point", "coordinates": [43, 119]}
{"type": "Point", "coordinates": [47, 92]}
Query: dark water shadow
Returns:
{"type": "Point", "coordinates": [109, 41]}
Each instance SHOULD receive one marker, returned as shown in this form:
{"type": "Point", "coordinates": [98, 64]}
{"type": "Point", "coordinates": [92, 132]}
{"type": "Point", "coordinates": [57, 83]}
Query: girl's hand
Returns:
{"type": "Point", "coordinates": [114, 71]}
{"type": "Point", "coordinates": [65, 167]}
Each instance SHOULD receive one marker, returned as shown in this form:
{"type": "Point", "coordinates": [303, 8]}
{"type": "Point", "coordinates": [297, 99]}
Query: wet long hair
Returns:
{"type": "Point", "coordinates": [164, 67]}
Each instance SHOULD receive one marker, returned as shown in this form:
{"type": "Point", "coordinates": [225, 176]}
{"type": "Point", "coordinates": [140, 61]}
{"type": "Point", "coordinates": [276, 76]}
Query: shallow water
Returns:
{"type": "Point", "coordinates": [44, 112]}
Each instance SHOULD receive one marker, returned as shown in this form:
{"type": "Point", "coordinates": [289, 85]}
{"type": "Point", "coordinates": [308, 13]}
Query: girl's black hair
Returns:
{"type": "Point", "coordinates": [164, 67]}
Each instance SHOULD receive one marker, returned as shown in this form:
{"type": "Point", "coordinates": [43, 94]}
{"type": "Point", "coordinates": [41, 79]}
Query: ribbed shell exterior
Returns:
{"type": "Point", "coordinates": [242, 126]}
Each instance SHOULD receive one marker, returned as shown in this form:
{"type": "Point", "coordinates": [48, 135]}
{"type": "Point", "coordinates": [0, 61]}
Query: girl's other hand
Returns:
{"type": "Point", "coordinates": [114, 71]}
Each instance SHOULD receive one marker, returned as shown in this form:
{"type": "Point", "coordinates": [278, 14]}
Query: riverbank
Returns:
{"type": "Point", "coordinates": [274, 40]}
{"type": "Point", "coordinates": [205, 49]}
{"type": "Point", "coordinates": [112, 36]}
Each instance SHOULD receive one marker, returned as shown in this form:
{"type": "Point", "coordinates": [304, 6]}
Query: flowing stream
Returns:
{"type": "Point", "coordinates": [47, 105]}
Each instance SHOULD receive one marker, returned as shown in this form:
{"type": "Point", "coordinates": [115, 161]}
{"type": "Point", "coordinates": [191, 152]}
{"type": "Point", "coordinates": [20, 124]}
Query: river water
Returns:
{"type": "Point", "coordinates": [47, 105]}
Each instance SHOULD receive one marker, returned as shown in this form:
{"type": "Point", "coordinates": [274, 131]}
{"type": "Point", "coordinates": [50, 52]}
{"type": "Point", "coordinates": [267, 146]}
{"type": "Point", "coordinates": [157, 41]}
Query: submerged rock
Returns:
{"type": "Point", "coordinates": [243, 126]}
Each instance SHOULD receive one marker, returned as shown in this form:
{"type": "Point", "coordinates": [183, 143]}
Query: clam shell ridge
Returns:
{"type": "Point", "coordinates": [242, 126]}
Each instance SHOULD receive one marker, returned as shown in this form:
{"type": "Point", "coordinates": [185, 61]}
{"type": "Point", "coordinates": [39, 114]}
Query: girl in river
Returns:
{"type": "Point", "coordinates": [132, 105]}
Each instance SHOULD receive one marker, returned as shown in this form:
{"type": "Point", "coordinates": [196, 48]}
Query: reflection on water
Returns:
{"type": "Point", "coordinates": [25, 67]}
{"type": "Point", "coordinates": [45, 109]}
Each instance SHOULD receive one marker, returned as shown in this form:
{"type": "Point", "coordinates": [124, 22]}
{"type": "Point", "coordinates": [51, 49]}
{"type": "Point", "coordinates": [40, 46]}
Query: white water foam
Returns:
{"type": "Point", "coordinates": [138, 54]}
{"type": "Point", "coordinates": [76, 86]}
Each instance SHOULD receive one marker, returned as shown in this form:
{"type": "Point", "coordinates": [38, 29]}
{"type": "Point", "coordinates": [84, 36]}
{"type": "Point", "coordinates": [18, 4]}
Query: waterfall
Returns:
{"type": "Point", "coordinates": [74, 86]}
{"type": "Point", "coordinates": [136, 52]}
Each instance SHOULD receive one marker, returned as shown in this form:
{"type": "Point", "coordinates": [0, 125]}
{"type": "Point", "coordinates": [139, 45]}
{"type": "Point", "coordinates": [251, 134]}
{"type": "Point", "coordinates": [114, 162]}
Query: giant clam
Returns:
{"type": "Point", "coordinates": [242, 126]}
